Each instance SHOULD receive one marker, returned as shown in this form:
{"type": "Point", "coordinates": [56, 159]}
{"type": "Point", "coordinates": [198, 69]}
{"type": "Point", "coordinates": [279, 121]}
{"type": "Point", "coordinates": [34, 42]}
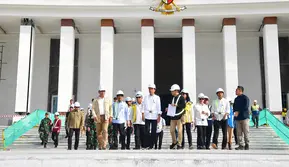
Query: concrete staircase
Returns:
{"type": "Point", "coordinates": [263, 138]}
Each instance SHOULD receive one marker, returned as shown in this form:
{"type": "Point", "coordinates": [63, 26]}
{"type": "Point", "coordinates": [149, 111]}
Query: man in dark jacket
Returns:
{"type": "Point", "coordinates": [178, 102]}
{"type": "Point", "coordinates": [241, 112]}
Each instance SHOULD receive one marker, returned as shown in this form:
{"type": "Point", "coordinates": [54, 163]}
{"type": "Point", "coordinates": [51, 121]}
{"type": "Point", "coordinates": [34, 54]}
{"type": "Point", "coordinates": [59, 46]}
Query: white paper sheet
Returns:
{"type": "Point", "coordinates": [171, 110]}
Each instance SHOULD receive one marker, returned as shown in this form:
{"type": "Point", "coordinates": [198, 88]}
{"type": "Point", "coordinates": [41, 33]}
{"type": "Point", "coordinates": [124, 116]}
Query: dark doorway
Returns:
{"type": "Point", "coordinates": [54, 73]}
{"type": "Point", "coordinates": [168, 67]}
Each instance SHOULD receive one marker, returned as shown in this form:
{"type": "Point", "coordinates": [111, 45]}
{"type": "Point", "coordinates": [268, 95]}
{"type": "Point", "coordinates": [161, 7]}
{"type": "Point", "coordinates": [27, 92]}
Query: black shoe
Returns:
{"type": "Point", "coordinates": [45, 145]}
{"type": "Point", "coordinates": [240, 148]}
{"type": "Point", "coordinates": [55, 146]}
{"type": "Point", "coordinates": [179, 147]}
{"type": "Point", "coordinates": [75, 148]}
{"type": "Point", "coordinates": [41, 143]}
{"type": "Point", "coordinates": [229, 146]}
{"type": "Point", "coordinates": [159, 148]}
{"type": "Point", "coordinates": [128, 148]}
{"type": "Point", "coordinates": [122, 148]}
{"type": "Point", "coordinates": [247, 147]}
{"type": "Point", "coordinates": [199, 148]}
{"type": "Point", "coordinates": [66, 136]}
{"type": "Point", "coordinates": [208, 148]}
{"type": "Point", "coordinates": [223, 148]}
{"type": "Point", "coordinates": [136, 148]}
{"type": "Point", "coordinates": [172, 146]}
{"type": "Point", "coordinates": [69, 149]}
{"type": "Point", "coordinates": [257, 127]}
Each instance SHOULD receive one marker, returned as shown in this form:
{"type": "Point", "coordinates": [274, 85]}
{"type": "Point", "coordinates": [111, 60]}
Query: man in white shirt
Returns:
{"type": "Point", "coordinates": [120, 111]}
{"type": "Point", "coordinates": [138, 121]}
{"type": "Point", "coordinates": [152, 113]}
{"type": "Point", "coordinates": [220, 111]}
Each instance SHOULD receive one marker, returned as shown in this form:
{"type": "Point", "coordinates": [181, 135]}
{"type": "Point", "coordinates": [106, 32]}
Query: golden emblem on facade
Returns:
{"type": "Point", "coordinates": [167, 7]}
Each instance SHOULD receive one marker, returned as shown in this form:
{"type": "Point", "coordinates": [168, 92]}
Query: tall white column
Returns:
{"type": "Point", "coordinates": [106, 56]}
{"type": "Point", "coordinates": [189, 58]}
{"type": "Point", "coordinates": [272, 64]}
{"type": "Point", "coordinates": [66, 64]}
{"type": "Point", "coordinates": [25, 66]}
{"type": "Point", "coordinates": [147, 54]}
{"type": "Point", "coordinates": [230, 56]}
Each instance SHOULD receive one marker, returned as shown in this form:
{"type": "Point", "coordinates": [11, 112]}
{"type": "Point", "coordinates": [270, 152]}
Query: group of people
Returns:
{"type": "Point", "coordinates": [113, 123]}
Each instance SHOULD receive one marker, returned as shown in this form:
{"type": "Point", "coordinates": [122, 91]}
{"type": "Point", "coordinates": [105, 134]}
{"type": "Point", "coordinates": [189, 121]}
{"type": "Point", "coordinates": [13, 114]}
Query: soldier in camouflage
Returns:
{"type": "Point", "coordinates": [45, 129]}
{"type": "Point", "coordinates": [110, 135]}
{"type": "Point", "coordinates": [91, 137]}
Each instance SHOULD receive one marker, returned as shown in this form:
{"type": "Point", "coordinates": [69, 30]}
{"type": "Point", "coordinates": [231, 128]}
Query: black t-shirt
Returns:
{"type": "Point", "coordinates": [181, 104]}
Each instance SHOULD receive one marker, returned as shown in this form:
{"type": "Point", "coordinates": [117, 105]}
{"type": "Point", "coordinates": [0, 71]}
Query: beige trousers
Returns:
{"type": "Point", "coordinates": [243, 129]}
{"type": "Point", "coordinates": [176, 124]}
{"type": "Point", "coordinates": [101, 131]}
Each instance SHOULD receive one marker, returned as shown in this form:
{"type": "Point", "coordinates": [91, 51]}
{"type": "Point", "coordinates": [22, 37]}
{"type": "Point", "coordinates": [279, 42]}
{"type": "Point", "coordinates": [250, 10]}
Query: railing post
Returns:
{"type": "Point", "coordinates": [266, 116]}
{"type": "Point", "coordinates": [3, 139]}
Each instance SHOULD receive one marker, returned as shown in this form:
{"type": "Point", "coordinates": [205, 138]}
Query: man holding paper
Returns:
{"type": "Point", "coordinates": [176, 111]}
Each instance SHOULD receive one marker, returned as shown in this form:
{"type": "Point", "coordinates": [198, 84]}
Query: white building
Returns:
{"type": "Point", "coordinates": [124, 45]}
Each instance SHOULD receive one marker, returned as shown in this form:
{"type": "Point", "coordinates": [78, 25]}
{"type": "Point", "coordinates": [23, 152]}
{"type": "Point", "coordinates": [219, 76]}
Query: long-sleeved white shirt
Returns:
{"type": "Point", "coordinates": [220, 108]}
{"type": "Point", "coordinates": [152, 107]}
{"type": "Point", "coordinates": [201, 119]}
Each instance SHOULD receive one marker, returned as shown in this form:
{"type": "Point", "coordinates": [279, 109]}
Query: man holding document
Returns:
{"type": "Point", "coordinates": [176, 111]}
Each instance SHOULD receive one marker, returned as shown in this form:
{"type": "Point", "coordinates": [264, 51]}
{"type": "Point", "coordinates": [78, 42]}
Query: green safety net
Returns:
{"type": "Point", "coordinates": [13, 132]}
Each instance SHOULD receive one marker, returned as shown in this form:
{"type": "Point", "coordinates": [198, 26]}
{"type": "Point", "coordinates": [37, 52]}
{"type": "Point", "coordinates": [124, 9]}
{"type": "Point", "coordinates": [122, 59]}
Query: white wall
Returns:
{"type": "Point", "coordinates": [126, 71]}
{"type": "Point", "coordinates": [88, 68]}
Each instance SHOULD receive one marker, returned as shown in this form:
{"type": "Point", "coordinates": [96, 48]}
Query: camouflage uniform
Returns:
{"type": "Point", "coordinates": [91, 137]}
{"type": "Point", "coordinates": [44, 129]}
{"type": "Point", "coordinates": [110, 135]}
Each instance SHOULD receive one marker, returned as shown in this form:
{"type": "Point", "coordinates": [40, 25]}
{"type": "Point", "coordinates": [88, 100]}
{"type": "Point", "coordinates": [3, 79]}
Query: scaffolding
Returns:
{"type": "Point", "coordinates": [1, 60]}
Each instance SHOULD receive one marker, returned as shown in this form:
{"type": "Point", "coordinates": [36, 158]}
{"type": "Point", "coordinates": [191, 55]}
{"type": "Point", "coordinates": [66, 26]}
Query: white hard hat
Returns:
{"type": "Point", "coordinates": [139, 94]}
{"type": "Point", "coordinates": [72, 106]}
{"type": "Point", "coordinates": [56, 114]}
{"type": "Point", "coordinates": [90, 105]}
{"type": "Point", "coordinates": [220, 90]}
{"type": "Point", "coordinates": [128, 99]}
{"type": "Point", "coordinates": [175, 87]}
{"type": "Point", "coordinates": [101, 88]}
{"type": "Point", "coordinates": [184, 91]}
{"type": "Point", "coordinates": [76, 104]}
{"type": "Point", "coordinates": [81, 109]}
{"type": "Point", "coordinates": [152, 86]}
{"type": "Point", "coordinates": [201, 95]}
{"type": "Point", "coordinates": [120, 92]}
{"type": "Point", "coordinates": [206, 97]}
{"type": "Point", "coordinates": [255, 101]}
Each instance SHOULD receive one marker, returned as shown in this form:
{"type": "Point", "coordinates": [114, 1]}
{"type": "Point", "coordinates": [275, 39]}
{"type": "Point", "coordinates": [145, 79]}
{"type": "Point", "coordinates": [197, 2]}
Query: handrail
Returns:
{"type": "Point", "coordinates": [16, 130]}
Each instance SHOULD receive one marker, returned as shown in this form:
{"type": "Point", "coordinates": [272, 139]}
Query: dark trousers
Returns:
{"type": "Point", "coordinates": [223, 124]}
{"type": "Point", "coordinates": [77, 132]}
{"type": "Point", "coordinates": [201, 134]}
{"type": "Point", "coordinates": [54, 137]}
{"type": "Point", "coordinates": [150, 138]}
{"type": "Point", "coordinates": [159, 140]}
{"type": "Point", "coordinates": [139, 132]}
{"type": "Point", "coordinates": [189, 134]}
{"type": "Point", "coordinates": [128, 134]}
{"type": "Point", "coordinates": [235, 135]}
{"type": "Point", "coordinates": [209, 129]}
{"type": "Point", "coordinates": [255, 119]}
{"type": "Point", "coordinates": [118, 128]}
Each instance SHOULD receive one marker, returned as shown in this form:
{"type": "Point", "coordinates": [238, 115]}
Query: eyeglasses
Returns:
{"type": "Point", "coordinates": [137, 97]}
